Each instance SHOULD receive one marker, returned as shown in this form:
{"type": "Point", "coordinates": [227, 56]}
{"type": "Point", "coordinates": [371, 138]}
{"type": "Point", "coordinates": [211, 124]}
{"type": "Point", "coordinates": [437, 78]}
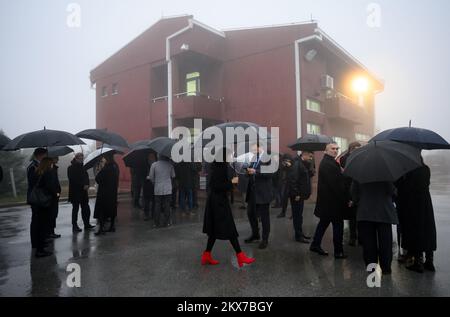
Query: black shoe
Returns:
{"type": "Point", "coordinates": [303, 240]}
{"type": "Point", "coordinates": [306, 237]}
{"type": "Point", "coordinates": [89, 227]}
{"type": "Point", "coordinates": [251, 239]}
{"type": "Point", "coordinates": [429, 266]}
{"type": "Point", "coordinates": [416, 267]}
{"type": "Point", "coordinates": [318, 250]}
{"type": "Point", "coordinates": [76, 229]}
{"type": "Point", "coordinates": [340, 255]}
{"type": "Point", "coordinates": [281, 215]}
{"type": "Point", "coordinates": [43, 253]}
{"type": "Point", "coordinates": [55, 236]}
{"type": "Point", "coordinates": [263, 244]}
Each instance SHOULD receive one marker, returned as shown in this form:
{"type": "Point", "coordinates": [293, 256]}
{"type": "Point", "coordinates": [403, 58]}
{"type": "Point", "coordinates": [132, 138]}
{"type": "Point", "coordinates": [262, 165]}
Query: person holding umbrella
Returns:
{"type": "Point", "coordinates": [78, 192]}
{"type": "Point", "coordinates": [218, 222]}
{"type": "Point", "coordinates": [259, 197]}
{"type": "Point", "coordinates": [161, 175]}
{"type": "Point", "coordinates": [416, 213]}
{"type": "Point", "coordinates": [54, 208]}
{"type": "Point", "coordinates": [374, 168]}
{"type": "Point", "coordinates": [106, 202]}
{"type": "Point", "coordinates": [332, 199]}
{"type": "Point", "coordinates": [38, 220]}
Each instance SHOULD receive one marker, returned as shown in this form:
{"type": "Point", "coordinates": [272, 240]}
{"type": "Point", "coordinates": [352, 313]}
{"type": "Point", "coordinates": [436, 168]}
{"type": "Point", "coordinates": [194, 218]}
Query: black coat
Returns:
{"type": "Point", "coordinates": [218, 221]}
{"type": "Point", "coordinates": [108, 182]}
{"type": "Point", "coordinates": [148, 189]}
{"type": "Point", "coordinates": [186, 173]}
{"type": "Point", "coordinates": [298, 180]}
{"type": "Point", "coordinates": [78, 178]}
{"type": "Point", "coordinates": [415, 210]}
{"type": "Point", "coordinates": [332, 197]}
{"type": "Point", "coordinates": [260, 185]}
{"type": "Point", "coordinates": [349, 212]}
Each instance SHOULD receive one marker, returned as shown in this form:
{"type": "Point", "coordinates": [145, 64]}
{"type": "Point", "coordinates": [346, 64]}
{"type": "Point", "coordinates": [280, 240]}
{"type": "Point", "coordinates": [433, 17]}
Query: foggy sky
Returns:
{"type": "Point", "coordinates": [45, 65]}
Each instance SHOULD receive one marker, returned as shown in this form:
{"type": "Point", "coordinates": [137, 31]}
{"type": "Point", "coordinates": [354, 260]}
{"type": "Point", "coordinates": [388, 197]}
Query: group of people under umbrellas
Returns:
{"type": "Point", "coordinates": [375, 186]}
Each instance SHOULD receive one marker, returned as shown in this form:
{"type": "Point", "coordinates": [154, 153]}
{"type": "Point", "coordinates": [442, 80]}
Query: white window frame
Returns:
{"type": "Point", "coordinates": [313, 125]}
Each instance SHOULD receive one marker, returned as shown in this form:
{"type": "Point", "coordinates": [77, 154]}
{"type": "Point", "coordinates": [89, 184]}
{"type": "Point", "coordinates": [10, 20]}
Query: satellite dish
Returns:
{"type": "Point", "coordinates": [310, 55]}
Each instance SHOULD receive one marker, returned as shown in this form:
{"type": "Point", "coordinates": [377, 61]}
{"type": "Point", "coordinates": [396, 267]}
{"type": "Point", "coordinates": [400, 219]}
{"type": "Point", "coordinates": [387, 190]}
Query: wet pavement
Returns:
{"type": "Point", "coordinates": [139, 260]}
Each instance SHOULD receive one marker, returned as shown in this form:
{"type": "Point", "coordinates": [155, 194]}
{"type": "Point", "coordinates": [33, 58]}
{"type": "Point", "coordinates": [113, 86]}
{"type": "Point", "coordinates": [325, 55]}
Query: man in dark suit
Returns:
{"type": "Point", "coordinates": [259, 197]}
{"type": "Point", "coordinates": [332, 199]}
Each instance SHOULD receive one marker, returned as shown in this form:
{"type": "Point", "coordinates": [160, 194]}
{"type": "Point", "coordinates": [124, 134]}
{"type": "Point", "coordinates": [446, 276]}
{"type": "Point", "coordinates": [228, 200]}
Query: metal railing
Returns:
{"type": "Point", "coordinates": [190, 94]}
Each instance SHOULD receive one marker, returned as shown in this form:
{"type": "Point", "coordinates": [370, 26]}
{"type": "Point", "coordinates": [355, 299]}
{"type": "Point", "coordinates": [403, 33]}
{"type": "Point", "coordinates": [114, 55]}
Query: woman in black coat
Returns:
{"type": "Point", "coordinates": [218, 222]}
{"type": "Point", "coordinates": [417, 221]}
{"type": "Point", "coordinates": [106, 202]}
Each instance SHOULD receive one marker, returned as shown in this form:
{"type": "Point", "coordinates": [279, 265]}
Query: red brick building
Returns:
{"type": "Point", "coordinates": [291, 76]}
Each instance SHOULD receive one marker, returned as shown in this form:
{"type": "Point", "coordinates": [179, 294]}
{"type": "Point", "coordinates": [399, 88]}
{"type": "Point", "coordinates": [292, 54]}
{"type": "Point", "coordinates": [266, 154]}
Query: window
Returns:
{"type": "Point", "coordinates": [313, 105]}
{"type": "Point", "coordinates": [362, 137]}
{"type": "Point", "coordinates": [342, 142]}
{"type": "Point", "coordinates": [104, 91]}
{"type": "Point", "coordinates": [312, 128]}
{"type": "Point", "coordinates": [193, 83]}
{"type": "Point", "coordinates": [115, 89]}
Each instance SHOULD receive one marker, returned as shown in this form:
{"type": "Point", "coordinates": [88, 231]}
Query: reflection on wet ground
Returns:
{"type": "Point", "coordinates": [139, 260]}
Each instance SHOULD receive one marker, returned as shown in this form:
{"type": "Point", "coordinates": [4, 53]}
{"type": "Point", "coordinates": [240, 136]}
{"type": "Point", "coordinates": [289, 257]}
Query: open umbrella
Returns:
{"type": "Point", "coordinates": [42, 138]}
{"type": "Point", "coordinates": [4, 140]}
{"type": "Point", "coordinates": [419, 138]}
{"type": "Point", "coordinates": [255, 134]}
{"type": "Point", "coordinates": [383, 161]}
{"type": "Point", "coordinates": [138, 154]}
{"type": "Point", "coordinates": [104, 136]}
{"type": "Point", "coordinates": [56, 151]}
{"type": "Point", "coordinates": [311, 142]}
{"type": "Point", "coordinates": [162, 145]}
{"type": "Point", "coordinates": [95, 156]}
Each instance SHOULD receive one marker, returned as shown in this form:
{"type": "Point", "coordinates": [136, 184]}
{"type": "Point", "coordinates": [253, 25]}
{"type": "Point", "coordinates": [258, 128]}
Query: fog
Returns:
{"type": "Point", "coordinates": [45, 64]}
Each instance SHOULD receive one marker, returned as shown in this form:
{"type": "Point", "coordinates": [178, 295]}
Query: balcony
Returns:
{"type": "Point", "coordinates": [186, 106]}
{"type": "Point", "coordinates": [341, 107]}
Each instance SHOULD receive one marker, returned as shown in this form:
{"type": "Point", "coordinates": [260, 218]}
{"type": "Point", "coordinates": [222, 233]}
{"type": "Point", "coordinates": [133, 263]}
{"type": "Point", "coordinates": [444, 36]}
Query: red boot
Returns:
{"type": "Point", "coordinates": [207, 259]}
{"type": "Point", "coordinates": [243, 258]}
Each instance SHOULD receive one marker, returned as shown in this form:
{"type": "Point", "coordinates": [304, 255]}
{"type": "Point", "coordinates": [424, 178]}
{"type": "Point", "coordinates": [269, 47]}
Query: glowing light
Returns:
{"type": "Point", "coordinates": [360, 85]}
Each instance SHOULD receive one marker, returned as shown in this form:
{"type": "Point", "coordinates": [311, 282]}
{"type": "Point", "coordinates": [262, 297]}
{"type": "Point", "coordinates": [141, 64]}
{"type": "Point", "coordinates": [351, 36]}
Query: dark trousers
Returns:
{"type": "Point", "coordinates": [85, 212]}
{"type": "Point", "coordinates": [138, 185]}
{"type": "Point", "coordinates": [338, 234]}
{"type": "Point", "coordinates": [259, 210]}
{"type": "Point", "coordinates": [38, 227]}
{"type": "Point", "coordinates": [352, 225]}
{"type": "Point", "coordinates": [162, 208]}
{"type": "Point", "coordinates": [284, 197]}
{"type": "Point", "coordinates": [54, 208]}
{"type": "Point", "coordinates": [195, 197]}
{"type": "Point", "coordinates": [376, 239]}
{"type": "Point", "coordinates": [183, 195]}
{"type": "Point", "coordinates": [149, 199]}
{"type": "Point", "coordinates": [297, 216]}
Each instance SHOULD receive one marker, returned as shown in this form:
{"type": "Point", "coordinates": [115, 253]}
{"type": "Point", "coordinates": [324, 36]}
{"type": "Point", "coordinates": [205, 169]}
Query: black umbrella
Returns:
{"type": "Point", "coordinates": [311, 142]}
{"type": "Point", "coordinates": [383, 161]}
{"type": "Point", "coordinates": [162, 145]}
{"type": "Point", "coordinates": [56, 151]}
{"type": "Point", "coordinates": [104, 136]}
{"type": "Point", "coordinates": [138, 154]}
{"type": "Point", "coordinates": [4, 140]}
{"type": "Point", "coordinates": [419, 138]}
{"type": "Point", "coordinates": [256, 135]}
{"type": "Point", "coordinates": [42, 138]}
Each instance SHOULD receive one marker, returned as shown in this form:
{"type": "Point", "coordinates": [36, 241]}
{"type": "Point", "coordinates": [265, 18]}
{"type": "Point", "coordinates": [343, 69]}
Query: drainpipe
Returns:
{"type": "Point", "coordinates": [169, 76]}
{"type": "Point", "coordinates": [298, 90]}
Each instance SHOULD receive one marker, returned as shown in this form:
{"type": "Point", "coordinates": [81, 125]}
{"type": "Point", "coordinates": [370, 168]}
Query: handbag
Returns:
{"type": "Point", "coordinates": [38, 197]}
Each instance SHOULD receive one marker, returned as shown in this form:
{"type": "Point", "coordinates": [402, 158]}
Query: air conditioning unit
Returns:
{"type": "Point", "coordinates": [327, 82]}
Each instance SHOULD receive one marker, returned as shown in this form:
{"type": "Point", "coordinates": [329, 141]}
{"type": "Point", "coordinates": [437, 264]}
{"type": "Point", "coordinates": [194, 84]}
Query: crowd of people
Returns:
{"type": "Point", "coordinates": [371, 209]}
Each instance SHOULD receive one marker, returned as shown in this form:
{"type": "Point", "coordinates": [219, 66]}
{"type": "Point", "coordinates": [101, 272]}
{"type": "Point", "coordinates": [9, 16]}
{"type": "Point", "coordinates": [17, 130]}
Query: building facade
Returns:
{"type": "Point", "coordinates": [294, 77]}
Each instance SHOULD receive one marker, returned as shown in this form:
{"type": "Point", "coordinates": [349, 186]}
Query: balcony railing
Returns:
{"type": "Point", "coordinates": [340, 106]}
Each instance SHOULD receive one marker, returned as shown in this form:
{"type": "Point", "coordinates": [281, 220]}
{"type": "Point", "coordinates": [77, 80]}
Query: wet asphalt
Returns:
{"type": "Point", "coordinates": [139, 260]}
